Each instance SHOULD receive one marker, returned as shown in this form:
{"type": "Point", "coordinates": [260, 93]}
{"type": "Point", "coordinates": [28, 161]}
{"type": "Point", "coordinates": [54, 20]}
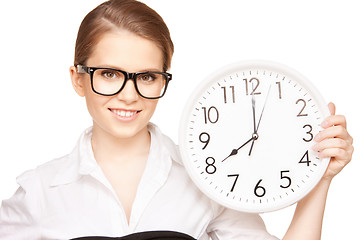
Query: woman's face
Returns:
{"type": "Point", "coordinates": [126, 114]}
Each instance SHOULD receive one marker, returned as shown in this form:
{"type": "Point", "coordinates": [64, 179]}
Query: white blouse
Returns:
{"type": "Point", "coordinates": [70, 197]}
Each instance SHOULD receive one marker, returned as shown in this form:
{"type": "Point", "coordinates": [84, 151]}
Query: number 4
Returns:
{"type": "Point", "coordinates": [305, 159]}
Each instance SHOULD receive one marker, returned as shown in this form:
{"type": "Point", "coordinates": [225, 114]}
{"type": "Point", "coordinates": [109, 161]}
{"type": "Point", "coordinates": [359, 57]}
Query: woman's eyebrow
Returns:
{"type": "Point", "coordinates": [122, 69]}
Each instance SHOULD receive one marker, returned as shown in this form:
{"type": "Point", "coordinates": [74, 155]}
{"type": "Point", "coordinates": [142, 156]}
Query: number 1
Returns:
{"type": "Point", "coordinates": [278, 83]}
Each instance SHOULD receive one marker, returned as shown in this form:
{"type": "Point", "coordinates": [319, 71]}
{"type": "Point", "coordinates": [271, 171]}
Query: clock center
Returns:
{"type": "Point", "coordinates": [255, 136]}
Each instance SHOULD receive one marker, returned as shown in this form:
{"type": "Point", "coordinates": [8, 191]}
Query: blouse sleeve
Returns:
{"type": "Point", "coordinates": [18, 214]}
{"type": "Point", "coordinates": [230, 224]}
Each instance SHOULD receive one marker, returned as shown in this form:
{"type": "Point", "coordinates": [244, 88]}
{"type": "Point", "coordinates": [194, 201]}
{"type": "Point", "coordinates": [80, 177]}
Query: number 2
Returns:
{"type": "Point", "coordinates": [301, 114]}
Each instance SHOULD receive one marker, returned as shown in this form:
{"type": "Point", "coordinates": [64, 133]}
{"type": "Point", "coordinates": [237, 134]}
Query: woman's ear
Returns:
{"type": "Point", "coordinates": [77, 81]}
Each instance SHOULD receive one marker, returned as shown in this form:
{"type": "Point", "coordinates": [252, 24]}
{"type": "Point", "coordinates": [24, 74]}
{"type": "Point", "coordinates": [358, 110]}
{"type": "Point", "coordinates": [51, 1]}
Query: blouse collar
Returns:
{"type": "Point", "coordinates": [81, 160]}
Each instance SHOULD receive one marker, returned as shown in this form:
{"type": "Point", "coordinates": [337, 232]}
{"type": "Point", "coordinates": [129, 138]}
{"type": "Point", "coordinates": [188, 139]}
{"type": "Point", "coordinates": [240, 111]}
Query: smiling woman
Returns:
{"type": "Point", "coordinates": [125, 50]}
{"type": "Point", "coordinates": [124, 176]}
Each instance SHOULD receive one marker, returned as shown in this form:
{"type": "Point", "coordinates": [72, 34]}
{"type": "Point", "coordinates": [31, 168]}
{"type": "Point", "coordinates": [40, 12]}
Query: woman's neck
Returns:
{"type": "Point", "coordinates": [122, 161]}
{"type": "Point", "coordinates": [120, 151]}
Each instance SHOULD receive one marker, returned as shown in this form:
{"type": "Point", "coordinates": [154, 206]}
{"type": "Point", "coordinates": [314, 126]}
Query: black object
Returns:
{"type": "Point", "coordinates": [151, 235]}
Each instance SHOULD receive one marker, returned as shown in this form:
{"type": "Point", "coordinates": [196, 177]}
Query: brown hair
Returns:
{"type": "Point", "coordinates": [129, 15]}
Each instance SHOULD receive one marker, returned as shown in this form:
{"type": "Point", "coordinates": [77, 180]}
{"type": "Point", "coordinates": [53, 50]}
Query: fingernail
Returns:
{"type": "Point", "coordinates": [315, 148]}
{"type": "Point", "coordinates": [317, 137]}
{"type": "Point", "coordinates": [325, 124]}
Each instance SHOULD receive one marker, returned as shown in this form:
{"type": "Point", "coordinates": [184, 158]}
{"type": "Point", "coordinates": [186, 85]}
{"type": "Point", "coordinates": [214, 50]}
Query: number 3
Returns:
{"type": "Point", "coordinates": [309, 132]}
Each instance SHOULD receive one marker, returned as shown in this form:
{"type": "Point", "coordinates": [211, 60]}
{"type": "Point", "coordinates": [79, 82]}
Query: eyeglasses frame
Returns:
{"type": "Point", "coordinates": [128, 76]}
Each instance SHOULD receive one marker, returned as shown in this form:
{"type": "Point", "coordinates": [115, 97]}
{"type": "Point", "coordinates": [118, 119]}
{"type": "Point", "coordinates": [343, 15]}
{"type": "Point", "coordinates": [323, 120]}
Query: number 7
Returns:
{"type": "Point", "coordinates": [236, 178]}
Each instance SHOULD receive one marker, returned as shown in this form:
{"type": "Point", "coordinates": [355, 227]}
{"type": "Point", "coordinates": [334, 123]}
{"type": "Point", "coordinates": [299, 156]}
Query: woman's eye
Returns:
{"type": "Point", "coordinates": [147, 77]}
{"type": "Point", "coordinates": [109, 74]}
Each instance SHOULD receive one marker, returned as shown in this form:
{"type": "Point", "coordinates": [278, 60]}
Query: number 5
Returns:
{"type": "Point", "coordinates": [285, 177]}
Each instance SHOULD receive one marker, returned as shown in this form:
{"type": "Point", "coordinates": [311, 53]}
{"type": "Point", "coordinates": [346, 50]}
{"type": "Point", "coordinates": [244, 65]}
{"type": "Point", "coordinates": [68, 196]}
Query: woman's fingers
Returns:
{"type": "Point", "coordinates": [334, 120]}
{"type": "Point", "coordinates": [334, 132]}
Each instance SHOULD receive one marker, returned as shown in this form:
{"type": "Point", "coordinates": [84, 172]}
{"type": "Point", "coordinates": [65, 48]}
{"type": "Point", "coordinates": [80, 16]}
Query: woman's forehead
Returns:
{"type": "Point", "coordinates": [127, 51]}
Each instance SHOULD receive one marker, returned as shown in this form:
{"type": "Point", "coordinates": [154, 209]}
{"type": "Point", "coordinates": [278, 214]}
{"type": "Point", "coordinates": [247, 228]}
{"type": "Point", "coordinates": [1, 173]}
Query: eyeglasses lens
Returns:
{"type": "Point", "coordinates": [149, 84]}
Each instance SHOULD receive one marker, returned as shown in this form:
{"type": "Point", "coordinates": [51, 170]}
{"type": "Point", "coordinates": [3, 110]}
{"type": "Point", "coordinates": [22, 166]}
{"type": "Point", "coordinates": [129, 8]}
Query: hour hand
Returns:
{"type": "Point", "coordinates": [235, 151]}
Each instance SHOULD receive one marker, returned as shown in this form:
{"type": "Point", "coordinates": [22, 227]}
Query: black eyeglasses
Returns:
{"type": "Point", "coordinates": [110, 81]}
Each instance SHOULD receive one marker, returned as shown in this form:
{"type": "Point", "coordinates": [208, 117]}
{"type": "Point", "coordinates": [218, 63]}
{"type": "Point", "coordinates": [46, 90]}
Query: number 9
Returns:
{"type": "Point", "coordinates": [206, 140]}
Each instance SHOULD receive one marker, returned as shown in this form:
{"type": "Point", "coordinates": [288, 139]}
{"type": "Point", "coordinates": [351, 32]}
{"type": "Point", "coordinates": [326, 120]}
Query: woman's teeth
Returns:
{"type": "Point", "coordinates": [123, 113]}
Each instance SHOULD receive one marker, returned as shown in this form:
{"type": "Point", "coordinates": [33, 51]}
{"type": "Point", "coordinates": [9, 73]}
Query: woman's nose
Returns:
{"type": "Point", "coordinates": [128, 93]}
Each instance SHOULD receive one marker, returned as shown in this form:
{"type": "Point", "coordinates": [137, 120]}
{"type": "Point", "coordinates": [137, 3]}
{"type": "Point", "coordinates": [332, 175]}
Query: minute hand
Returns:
{"type": "Point", "coordinates": [257, 127]}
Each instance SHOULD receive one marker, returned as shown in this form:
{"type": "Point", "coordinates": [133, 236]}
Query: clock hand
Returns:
{"type": "Point", "coordinates": [255, 135]}
{"type": "Point", "coordinates": [255, 128]}
{"type": "Point", "coordinates": [253, 110]}
{"type": "Point", "coordinates": [235, 151]}
{"type": "Point", "coordinates": [262, 111]}
{"type": "Point", "coordinates": [252, 145]}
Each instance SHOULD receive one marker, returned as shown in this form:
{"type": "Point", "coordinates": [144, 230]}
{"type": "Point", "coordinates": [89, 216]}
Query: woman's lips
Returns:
{"type": "Point", "coordinates": [124, 114]}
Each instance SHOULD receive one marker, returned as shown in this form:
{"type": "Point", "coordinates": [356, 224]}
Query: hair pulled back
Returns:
{"type": "Point", "coordinates": [130, 15]}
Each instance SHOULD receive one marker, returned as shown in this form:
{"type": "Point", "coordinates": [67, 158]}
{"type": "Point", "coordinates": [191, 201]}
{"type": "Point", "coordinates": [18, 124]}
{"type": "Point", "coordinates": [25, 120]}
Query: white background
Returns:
{"type": "Point", "coordinates": [42, 117]}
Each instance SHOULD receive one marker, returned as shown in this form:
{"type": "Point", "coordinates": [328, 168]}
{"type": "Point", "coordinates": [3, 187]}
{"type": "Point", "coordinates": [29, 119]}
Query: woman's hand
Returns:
{"type": "Point", "coordinates": [335, 142]}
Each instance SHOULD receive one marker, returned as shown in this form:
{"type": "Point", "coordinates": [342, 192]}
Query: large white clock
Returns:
{"type": "Point", "coordinates": [246, 135]}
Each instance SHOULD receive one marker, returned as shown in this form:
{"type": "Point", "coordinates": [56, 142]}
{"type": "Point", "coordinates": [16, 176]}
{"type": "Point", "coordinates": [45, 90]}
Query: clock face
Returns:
{"type": "Point", "coordinates": [246, 136]}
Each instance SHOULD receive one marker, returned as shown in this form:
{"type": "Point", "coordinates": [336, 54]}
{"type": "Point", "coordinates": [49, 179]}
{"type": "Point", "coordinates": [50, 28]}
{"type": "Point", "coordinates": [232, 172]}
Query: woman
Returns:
{"type": "Point", "coordinates": [124, 176]}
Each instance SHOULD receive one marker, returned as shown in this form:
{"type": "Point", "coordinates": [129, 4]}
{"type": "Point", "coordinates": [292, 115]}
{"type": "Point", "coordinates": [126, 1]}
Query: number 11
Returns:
{"type": "Point", "coordinates": [233, 94]}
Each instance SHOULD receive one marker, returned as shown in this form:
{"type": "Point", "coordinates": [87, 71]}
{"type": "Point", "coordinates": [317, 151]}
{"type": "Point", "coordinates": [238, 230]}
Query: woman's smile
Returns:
{"type": "Point", "coordinates": [124, 114]}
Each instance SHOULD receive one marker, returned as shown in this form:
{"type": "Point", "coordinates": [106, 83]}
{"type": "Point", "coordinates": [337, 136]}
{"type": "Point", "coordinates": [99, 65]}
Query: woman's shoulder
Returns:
{"type": "Point", "coordinates": [58, 170]}
{"type": "Point", "coordinates": [42, 174]}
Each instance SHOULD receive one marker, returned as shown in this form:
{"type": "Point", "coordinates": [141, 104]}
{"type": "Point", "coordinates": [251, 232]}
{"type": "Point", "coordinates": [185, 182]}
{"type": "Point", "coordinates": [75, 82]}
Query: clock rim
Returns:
{"type": "Point", "coordinates": [224, 72]}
